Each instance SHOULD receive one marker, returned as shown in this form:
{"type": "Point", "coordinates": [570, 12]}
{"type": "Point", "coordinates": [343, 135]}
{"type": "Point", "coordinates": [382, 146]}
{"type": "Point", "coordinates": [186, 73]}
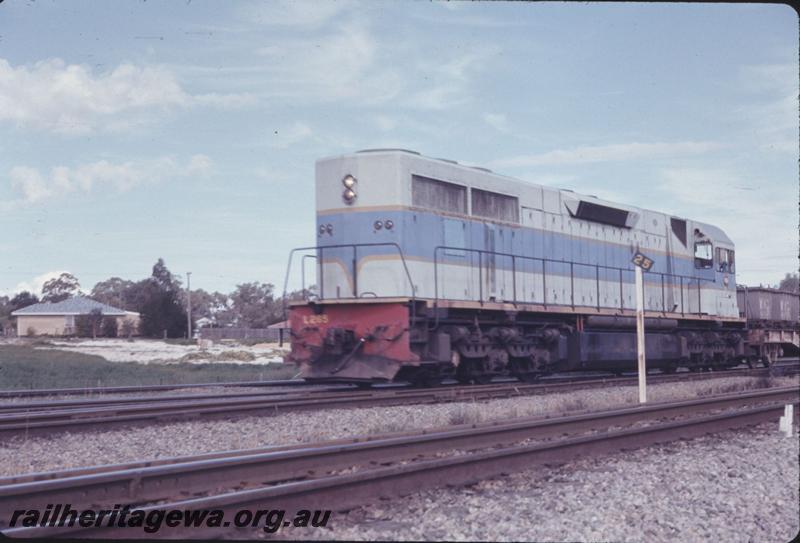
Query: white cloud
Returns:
{"type": "Point", "coordinates": [31, 183]}
{"type": "Point", "coordinates": [339, 65]}
{"type": "Point", "coordinates": [34, 286]}
{"type": "Point", "coordinates": [769, 77]}
{"type": "Point", "coordinates": [771, 110]}
{"type": "Point", "coordinates": [72, 99]}
{"type": "Point", "coordinates": [349, 64]}
{"type": "Point", "coordinates": [758, 215]}
{"type": "Point", "coordinates": [293, 13]}
{"type": "Point", "coordinates": [385, 123]}
{"type": "Point", "coordinates": [607, 153]}
{"type": "Point", "coordinates": [497, 121]}
{"type": "Point", "coordinates": [296, 133]}
{"type": "Point", "coordinates": [35, 187]}
{"type": "Point", "coordinates": [447, 81]}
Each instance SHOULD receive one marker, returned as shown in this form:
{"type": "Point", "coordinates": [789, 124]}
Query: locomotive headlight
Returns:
{"type": "Point", "coordinates": [329, 228]}
{"type": "Point", "coordinates": [349, 181]}
{"type": "Point", "coordinates": [321, 229]}
{"type": "Point", "coordinates": [349, 196]}
{"type": "Point", "coordinates": [378, 225]}
{"type": "Point", "coordinates": [389, 224]}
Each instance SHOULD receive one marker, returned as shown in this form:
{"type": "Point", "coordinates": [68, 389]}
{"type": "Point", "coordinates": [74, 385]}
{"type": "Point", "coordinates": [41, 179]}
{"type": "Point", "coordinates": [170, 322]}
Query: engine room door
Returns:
{"type": "Point", "coordinates": [454, 280]}
{"type": "Point", "coordinates": [489, 261]}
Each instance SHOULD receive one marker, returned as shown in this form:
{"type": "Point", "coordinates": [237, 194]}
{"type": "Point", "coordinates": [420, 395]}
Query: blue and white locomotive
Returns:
{"type": "Point", "coordinates": [427, 269]}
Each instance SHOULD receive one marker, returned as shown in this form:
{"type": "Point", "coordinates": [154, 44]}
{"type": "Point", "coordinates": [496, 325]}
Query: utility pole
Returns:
{"type": "Point", "coordinates": [188, 305]}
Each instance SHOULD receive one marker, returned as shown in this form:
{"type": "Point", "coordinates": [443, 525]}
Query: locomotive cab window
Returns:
{"type": "Point", "coordinates": [724, 260]}
{"type": "Point", "coordinates": [703, 255]}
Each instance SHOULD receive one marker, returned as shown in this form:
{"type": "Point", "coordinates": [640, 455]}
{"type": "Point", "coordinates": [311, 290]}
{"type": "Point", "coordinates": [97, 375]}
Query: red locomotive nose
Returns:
{"type": "Point", "coordinates": [350, 341]}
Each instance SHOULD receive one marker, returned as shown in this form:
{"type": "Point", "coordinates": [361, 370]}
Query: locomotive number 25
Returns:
{"type": "Point", "coordinates": [315, 319]}
{"type": "Point", "coordinates": [642, 261]}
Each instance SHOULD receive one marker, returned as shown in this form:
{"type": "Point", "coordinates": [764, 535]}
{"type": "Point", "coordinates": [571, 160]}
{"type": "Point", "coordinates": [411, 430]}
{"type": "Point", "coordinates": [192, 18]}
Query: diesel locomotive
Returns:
{"type": "Point", "coordinates": [426, 269]}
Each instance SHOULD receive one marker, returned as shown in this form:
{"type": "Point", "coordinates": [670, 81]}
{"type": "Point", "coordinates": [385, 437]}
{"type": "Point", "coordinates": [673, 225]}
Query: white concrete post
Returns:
{"type": "Point", "coordinates": [787, 420]}
{"type": "Point", "coordinates": [640, 335]}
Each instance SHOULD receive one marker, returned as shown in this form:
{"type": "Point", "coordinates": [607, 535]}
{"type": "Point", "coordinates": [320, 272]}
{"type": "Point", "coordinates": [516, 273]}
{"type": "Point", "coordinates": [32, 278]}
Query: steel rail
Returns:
{"type": "Point", "coordinates": [25, 393]}
{"type": "Point", "coordinates": [343, 491]}
{"type": "Point", "coordinates": [28, 407]}
{"type": "Point", "coordinates": [97, 417]}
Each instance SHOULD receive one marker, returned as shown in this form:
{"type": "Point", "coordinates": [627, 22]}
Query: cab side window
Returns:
{"type": "Point", "coordinates": [724, 260]}
{"type": "Point", "coordinates": [703, 255]}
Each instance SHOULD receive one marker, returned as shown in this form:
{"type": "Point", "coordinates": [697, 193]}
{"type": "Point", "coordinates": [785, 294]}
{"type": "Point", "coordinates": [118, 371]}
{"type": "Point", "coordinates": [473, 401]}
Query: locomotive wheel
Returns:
{"type": "Point", "coordinates": [671, 367]}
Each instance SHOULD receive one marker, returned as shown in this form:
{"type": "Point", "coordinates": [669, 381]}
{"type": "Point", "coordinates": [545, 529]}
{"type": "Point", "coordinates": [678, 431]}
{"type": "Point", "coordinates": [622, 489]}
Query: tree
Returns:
{"type": "Point", "coordinates": [215, 307]}
{"type": "Point", "coordinates": [5, 313]}
{"type": "Point", "coordinates": [60, 288]}
{"type": "Point", "coordinates": [790, 283]}
{"type": "Point", "coordinates": [159, 301]}
{"type": "Point", "coordinates": [164, 278]}
{"type": "Point", "coordinates": [254, 305]}
{"type": "Point", "coordinates": [89, 325]}
{"type": "Point", "coordinates": [127, 329]}
{"type": "Point", "coordinates": [109, 326]}
{"type": "Point", "coordinates": [22, 299]}
{"type": "Point", "coordinates": [114, 292]}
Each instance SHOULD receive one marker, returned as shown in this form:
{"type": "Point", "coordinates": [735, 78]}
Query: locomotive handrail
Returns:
{"type": "Point", "coordinates": [354, 246]}
{"type": "Point", "coordinates": [572, 264]}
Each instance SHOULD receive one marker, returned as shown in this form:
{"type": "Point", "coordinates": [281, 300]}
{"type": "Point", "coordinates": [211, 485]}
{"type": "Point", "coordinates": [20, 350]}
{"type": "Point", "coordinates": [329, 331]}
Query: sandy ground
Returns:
{"type": "Point", "coordinates": [147, 351]}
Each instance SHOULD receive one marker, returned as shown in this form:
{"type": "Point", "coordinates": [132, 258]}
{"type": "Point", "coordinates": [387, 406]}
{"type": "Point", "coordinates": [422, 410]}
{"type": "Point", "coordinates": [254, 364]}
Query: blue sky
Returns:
{"type": "Point", "coordinates": [131, 130]}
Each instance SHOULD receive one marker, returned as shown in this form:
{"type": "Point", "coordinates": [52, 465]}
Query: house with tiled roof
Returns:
{"type": "Point", "coordinates": [58, 318]}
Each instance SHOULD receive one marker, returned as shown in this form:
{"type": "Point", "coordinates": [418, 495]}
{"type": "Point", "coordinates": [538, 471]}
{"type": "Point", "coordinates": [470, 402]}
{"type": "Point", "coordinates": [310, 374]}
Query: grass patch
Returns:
{"type": "Point", "coordinates": [466, 414]}
{"type": "Point", "coordinates": [751, 383]}
{"type": "Point", "coordinates": [23, 367]}
{"type": "Point", "coordinates": [180, 341]}
{"type": "Point", "coordinates": [243, 356]}
{"type": "Point", "coordinates": [574, 404]}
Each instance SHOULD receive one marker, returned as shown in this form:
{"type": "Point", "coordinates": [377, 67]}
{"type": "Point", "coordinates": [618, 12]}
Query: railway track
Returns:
{"type": "Point", "coordinates": [82, 415]}
{"type": "Point", "coordinates": [81, 391]}
{"type": "Point", "coordinates": [144, 389]}
{"type": "Point", "coordinates": [343, 474]}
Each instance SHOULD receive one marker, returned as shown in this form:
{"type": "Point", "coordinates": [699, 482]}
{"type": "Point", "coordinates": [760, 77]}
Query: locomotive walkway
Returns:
{"type": "Point", "coordinates": [343, 474]}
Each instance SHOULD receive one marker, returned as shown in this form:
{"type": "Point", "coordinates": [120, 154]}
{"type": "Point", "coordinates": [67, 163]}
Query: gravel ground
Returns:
{"type": "Point", "coordinates": [21, 455]}
{"type": "Point", "coordinates": [735, 486]}
{"type": "Point", "coordinates": [158, 352]}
